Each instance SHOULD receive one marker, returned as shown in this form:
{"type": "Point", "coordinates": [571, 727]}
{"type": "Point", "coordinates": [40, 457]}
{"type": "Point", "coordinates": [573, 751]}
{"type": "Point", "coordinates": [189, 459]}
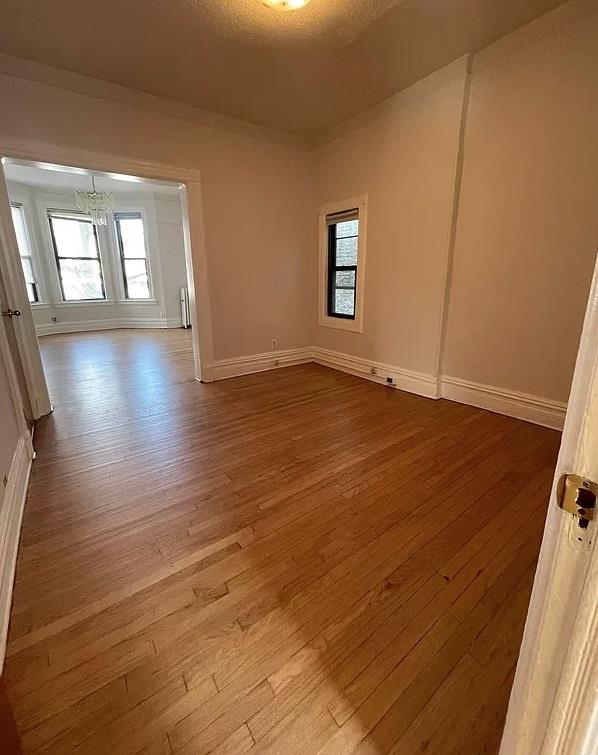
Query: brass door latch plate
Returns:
{"type": "Point", "coordinates": [577, 495]}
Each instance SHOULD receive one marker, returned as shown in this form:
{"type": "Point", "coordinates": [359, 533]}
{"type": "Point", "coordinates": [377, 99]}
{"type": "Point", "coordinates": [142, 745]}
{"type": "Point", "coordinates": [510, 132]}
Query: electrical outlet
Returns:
{"type": "Point", "coordinates": [391, 381]}
{"type": "Point", "coordinates": [274, 343]}
{"type": "Point", "coordinates": [54, 319]}
{"type": "Point", "coordinates": [373, 371]}
{"type": "Point", "coordinates": [276, 362]}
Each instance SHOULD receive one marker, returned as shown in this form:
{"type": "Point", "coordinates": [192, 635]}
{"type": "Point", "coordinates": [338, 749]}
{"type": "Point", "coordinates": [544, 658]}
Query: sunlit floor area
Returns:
{"type": "Point", "coordinates": [297, 561]}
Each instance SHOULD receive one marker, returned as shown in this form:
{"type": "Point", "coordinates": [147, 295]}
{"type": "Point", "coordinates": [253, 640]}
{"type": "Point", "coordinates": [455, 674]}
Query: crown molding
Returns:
{"type": "Point", "coordinates": [40, 73]}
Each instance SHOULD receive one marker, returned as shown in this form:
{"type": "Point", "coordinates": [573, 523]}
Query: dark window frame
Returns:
{"type": "Point", "coordinates": [333, 268]}
{"type": "Point", "coordinates": [79, 218]}
{"type": "Point", "coordinates": [118, 216]}
{"type": "Point", "coordinates": [29, 256]}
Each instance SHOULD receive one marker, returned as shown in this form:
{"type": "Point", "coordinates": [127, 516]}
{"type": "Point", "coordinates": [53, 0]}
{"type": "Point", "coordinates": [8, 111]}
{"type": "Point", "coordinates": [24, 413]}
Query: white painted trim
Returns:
{"type": "Point", "coordinates": [340, 323]}
{"type": "Point", "coordinates": [190, 197]}
{"type": "Point", "coordinates": [11, 516]}
{"type": "Point", "coordinates": [406, 380]}
{"type": "Point", "coordinates": [82, 326]}
{"type": "Point", "coordinates": [46, 153]}
{"type": "Point", "coordinates": [268, 360]}
{"type": "Point", "coordinates": [534, 409]}
{"type": "Point", "coordinates": [23, 327]}
{"type": "Point", "coordinates": [554, 701]}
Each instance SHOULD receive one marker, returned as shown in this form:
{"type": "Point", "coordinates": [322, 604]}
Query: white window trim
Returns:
{"type": "Point", "coordinates": [122, 299]}
{"type": "Point", "coordinates": [69, 208]}
{"type": "Point", "coordinates": [324, 320]}
{"type": "Point", "coordinates": [33, 252]}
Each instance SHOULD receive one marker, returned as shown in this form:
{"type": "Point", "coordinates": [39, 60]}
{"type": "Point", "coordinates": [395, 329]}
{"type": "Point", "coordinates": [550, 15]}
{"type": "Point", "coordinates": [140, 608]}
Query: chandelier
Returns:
{"type": "Point", "coordinates": [95, 203]}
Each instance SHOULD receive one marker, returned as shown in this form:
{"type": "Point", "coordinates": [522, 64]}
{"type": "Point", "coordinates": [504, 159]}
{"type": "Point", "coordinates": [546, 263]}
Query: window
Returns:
{"type": "Point", "coordinates": [77, 256]}
{"type": "Point", "coordinates": [133, 254]}
{"type": "Point", "coordinates": [343, 235]}
{"type": "Point", "coordinates": [18, 219]}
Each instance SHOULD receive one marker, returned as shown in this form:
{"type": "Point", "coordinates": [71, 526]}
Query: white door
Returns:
{"type": "Point", "coordinates": [20, 330]}
{"type": "Point", "coordinates": [554, 702]}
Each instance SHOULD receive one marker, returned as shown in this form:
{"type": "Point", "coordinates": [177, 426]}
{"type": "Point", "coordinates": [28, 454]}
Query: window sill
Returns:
{"type": "Point", "coordinates": [137, 301]}
{"type": "Point", "coordinates": [340, 323]}
{"type": "Point", "coordinates": [84, 303]}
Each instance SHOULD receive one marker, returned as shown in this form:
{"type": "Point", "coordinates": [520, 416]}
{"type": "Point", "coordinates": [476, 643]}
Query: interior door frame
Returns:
{"type": "Point", "coordinates": [554, 698]}
{"type": "Point", "coordinates": [37, 402]}
{"type": "Point", "coordinates": [45, 153]}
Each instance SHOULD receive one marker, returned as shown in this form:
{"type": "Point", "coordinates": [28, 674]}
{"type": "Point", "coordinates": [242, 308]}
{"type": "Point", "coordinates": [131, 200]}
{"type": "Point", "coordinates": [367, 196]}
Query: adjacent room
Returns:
{"type": "Point", "coordinates": [105, 257]}
{"type": "Point", "coordinates": [298, 377]}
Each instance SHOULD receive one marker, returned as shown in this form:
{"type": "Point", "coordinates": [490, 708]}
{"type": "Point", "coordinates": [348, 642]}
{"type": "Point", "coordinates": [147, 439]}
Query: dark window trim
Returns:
{"type": "Point", "coordinates": [333, 268]}
{"type": "Point", "coordinates": [118, 216]}
{"type": "Point", "coordinates": [68, 215]}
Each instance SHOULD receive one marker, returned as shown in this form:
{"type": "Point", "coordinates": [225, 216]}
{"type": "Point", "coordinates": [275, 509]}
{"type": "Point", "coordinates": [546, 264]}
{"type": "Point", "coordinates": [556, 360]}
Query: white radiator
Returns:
{"type": "Point", "coordinates": [185, 313]}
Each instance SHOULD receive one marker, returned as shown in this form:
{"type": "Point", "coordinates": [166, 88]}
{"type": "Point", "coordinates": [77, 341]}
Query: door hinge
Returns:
{"type": "Point", "coordinates": [577, 495]}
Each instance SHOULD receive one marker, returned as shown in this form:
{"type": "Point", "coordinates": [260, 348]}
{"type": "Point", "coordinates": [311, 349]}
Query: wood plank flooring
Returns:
{"type": "Point", "coordinates": [297, 561]}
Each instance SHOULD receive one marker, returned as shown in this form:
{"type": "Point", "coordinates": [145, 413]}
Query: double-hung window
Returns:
{"type": "Point", "coordinates": [133, 254]}
{"type": "Point", "coordinates": [77, 253]}
{"type": "Point", "coordinates": [343, 236]}
{"type": "Point", "coordinates": [18, 219]}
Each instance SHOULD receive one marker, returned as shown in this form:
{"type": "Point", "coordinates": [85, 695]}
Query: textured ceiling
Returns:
{"type": "Point", "coordinates": [301, 71]}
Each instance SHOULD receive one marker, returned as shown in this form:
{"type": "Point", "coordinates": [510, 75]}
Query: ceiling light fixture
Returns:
{"type": "Point", "coordinates": [95, 203]}
{"type": "Point", "coordinates": [285, 4]}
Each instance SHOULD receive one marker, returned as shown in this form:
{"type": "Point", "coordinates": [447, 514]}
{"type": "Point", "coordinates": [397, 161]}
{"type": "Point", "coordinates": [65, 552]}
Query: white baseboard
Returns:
{"type": "Point", "coordinates": [534, 409]}
{"type": "Point", "coordinates": [83, 326]}
{"type": "Point", "coordinates": [406, 380]}
{"type": "Point", "coordinates": [267, 360]}
{"type": "Point", "coordinates": [11, 515]}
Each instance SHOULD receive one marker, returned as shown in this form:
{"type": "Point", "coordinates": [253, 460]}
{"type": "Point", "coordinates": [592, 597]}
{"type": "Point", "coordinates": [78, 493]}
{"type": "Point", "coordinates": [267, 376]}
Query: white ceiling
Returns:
{"type": "Point", "coordinates": [301, 71]}
{"type": "Point", "coordinates": [60, 178]}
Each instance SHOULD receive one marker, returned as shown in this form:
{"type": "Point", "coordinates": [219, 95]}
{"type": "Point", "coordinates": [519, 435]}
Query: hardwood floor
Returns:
{"type": "Point", "coordinates": [293, 561]}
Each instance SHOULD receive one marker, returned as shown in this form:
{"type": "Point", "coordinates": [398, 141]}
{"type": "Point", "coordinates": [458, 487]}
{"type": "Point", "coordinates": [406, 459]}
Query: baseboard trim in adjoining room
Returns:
{"type": "Point", "coordinates": [83, 326]}
{"type": "Point", "coordinates": [11, 516]}
{"type": "Point", "coordinates": [539, 411]}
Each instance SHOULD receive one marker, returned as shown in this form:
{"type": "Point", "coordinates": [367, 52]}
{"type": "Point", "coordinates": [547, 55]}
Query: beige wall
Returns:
{"type": "Point", "coordinates": [528, 217]}
{"type": "Point", "coordinates": [256, 197]}
{"type": "Point", "coordinates": [527, 223]}
{"type": "Point", "coordinates": [525, 233]}
{"type": "Point", "coordinates": [404, 157]}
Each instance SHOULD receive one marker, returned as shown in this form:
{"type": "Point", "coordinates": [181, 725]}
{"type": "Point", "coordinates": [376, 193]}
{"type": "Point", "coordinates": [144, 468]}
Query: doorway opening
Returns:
{"type": "Point", "coordinates": [84, 279]}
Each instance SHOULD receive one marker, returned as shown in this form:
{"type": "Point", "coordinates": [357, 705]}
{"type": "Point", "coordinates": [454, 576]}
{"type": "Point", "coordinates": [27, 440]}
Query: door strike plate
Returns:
{"type": "Point", "coordinates": [577, 495]}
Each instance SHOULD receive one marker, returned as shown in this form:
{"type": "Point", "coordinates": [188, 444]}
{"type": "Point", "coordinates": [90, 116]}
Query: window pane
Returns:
{"type": "Point", "coordinates": [347, 228]}
{"type": "Point", "coordinates": [27, 269]}
{"type": "Point", "coordinates": [346, 251]}
{"type": "Point", "coordinates": [137, 283]}
{"type": "Point", "coordinates": [81, 279]}
{"type": "Point", "coordinates": [18, 220]}
{"type": "Point", "coordinates": [132, 236]}
{"type": "Point", "coordinates": [344, 301]}
{"type": "Point", "coordinates": [31, 292]}
{"type": "Point", "coordinates": [345, 279]}
{"type": "Point", "coordinates": [74, 238]}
